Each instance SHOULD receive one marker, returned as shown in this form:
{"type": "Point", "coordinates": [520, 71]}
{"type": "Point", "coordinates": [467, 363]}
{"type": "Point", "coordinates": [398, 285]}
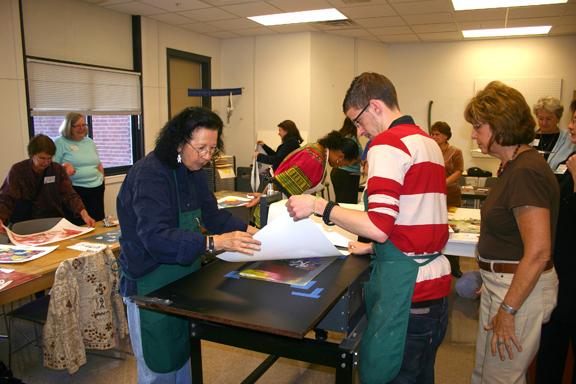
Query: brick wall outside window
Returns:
{"type": "Point", "coordinates": [111, 134]}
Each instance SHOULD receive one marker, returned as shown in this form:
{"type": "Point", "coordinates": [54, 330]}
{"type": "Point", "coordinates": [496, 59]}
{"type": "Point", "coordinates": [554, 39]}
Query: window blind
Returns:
{"type": "Point", "coordinates": [57, 88]}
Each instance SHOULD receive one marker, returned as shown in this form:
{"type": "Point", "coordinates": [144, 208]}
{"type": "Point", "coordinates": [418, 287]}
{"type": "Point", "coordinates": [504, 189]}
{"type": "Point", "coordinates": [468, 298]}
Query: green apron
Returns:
{"type": "Point", "coordinates": [388, 297]}
{"type": "Point", "coordinates": [166, 338]}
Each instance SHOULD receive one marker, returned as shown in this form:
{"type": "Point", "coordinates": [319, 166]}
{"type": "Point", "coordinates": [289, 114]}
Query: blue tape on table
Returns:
{"type": "Point", "coordinates": [307, 286]}
{"type": "Point", "coordinates": [233, 275]}
{"type": "Point", "coordinates": [315, 294]}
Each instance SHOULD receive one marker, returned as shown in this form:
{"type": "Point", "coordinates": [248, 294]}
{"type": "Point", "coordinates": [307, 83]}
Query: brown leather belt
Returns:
{"type": "Point", "coordinates": [506, 267]}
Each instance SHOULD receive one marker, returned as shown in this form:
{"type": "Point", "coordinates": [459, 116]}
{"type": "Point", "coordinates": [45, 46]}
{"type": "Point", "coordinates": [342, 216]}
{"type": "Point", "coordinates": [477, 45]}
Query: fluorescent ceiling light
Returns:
{"type": "Point", "coordinates": [541, 30]}
{"type": "Point", "coordinates": [299, 17]}
{"type": "Point", "coordinates": [463, 5]}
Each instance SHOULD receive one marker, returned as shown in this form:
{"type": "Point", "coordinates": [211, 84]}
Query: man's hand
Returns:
{"type": "Point", "coordinates": [302, 206]}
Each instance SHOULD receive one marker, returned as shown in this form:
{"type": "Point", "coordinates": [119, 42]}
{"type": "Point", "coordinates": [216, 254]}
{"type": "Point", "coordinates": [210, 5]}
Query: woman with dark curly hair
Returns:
{"type": "Point", "coordinates": [303, 171]}
{"type": "Point", "coordinates": [518, 220]}
{"type": "Point", "coordinates": [346, 178]}
{"type": "Point", "coordinates": [163, 206]}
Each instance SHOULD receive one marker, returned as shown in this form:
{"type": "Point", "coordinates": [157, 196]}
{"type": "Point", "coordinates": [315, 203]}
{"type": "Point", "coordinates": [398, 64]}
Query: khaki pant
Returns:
{"type": "Point", "coordinates": [534, 312]}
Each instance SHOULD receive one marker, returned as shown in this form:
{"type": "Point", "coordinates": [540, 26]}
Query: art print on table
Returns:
{"type": "Point", "coordinates": [20, 254]}
{"type": "Point", "coordinates": [62, 231]}
{"type": "Point", "coordinates": [289, 271]}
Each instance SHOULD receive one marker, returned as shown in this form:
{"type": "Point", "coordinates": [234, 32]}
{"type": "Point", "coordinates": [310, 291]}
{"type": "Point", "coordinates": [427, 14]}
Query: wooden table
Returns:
{"type": "Point", "coordinates": [45, 266]}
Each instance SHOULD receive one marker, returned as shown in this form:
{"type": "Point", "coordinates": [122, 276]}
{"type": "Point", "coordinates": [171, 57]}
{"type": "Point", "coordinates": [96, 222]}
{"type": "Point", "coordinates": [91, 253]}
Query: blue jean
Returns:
{"type": "Point", "coordinates": [145, 375]}
{"type": "Point", "coordinates": [426, 330]}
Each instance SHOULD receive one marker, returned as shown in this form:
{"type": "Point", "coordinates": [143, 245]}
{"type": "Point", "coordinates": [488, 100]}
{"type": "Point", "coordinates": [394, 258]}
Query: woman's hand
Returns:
{"type": "Point", "coordinates": [236, 241]}
{"type": "Point", "coordinates": [69, 169]}
{"type": "Point", "coordinates": [87, 219]}
{"type": "Point", "coordinates": [255, 200]}
{"type": "Point", "coordinates": [503, 335]}
{"type": "Point", "coordinates": [2, 230]}
{"type": "Point", "coordinates": [360, 248]}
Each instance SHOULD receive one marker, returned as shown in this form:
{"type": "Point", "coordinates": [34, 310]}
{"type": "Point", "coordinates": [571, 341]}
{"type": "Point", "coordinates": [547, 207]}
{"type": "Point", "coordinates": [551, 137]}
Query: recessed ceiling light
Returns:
{"type": "Point", "coordinates": [499, 32]}
{"type": "Point", "coordinates": [299, 17]}
{"type": "Point", "coordinates": [462, 5]}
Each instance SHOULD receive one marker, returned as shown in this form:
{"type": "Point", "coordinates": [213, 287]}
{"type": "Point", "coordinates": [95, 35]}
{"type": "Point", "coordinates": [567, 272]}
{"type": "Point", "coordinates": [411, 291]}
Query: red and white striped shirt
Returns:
{"type": "Point", "coordinates": [406, 191]}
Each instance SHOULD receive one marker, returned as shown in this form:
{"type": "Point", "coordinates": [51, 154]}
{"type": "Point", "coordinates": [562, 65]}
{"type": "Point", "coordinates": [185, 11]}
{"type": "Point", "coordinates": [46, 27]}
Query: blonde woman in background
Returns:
{"type": "Point", "coordinates": [78, 155]}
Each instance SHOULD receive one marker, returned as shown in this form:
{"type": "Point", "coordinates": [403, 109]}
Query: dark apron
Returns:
{"type": "Point", "coordinates": [388, 297]}
{"type": "Point", "coordinates": [166, 338]}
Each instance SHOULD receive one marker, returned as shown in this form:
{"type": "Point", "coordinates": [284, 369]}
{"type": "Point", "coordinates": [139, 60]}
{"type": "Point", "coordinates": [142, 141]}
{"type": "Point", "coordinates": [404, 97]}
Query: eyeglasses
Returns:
{"type": "Point", "coordinates": [212, 152]}
{"type": "Point", "coordinates": [477, 126]}
{"type": "Point", "coordinates": [355, 121]}
{"type": "Point", "coordinates": [80, 126]}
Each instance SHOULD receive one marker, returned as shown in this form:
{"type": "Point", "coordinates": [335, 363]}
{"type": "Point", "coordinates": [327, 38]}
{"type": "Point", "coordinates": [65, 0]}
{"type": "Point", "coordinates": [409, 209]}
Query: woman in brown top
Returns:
{"type": "Point", "coordinates": [454, 165]}
{"type": "Point", "coordinates": [453, 161]}
{"type": "Point", "coordinates": [518, 219]}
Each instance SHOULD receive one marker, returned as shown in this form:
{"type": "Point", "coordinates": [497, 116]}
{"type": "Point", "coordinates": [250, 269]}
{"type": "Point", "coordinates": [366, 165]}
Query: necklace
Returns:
{"type": "Point", "coordinates": [503, 166]}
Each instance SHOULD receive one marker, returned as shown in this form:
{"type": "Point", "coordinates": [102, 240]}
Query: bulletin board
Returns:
{"type": "Point", "coordinates": [532, 88]}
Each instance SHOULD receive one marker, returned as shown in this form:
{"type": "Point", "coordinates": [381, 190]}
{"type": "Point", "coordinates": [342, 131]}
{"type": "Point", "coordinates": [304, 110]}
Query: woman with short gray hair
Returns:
{"type": "Point", "coordinates": [553, 143]}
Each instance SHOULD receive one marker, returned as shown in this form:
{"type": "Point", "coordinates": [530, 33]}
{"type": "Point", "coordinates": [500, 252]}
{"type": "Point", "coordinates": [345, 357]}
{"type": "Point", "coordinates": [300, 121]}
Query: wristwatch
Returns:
{"type": "Point", "coordinates": [210, 245]}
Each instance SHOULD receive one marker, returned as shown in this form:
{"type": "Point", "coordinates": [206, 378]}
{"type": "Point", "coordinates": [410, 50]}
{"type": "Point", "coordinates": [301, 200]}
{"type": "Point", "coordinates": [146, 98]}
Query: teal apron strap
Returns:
{"type": "Point", "coordinates": [166, 338]}
{"type": "Point", "coordinates": [388, 297]}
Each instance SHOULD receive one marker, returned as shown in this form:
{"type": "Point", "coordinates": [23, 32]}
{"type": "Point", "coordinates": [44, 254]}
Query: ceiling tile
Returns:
{"type": "Point", "coordinates": [220, 3]}
{"type": "Point", "coordinates": [429, 18]}
{"type": "Point", "coordinates": [441, 36]}
{"type": "Point", "coordinates": [368, 11]}
{"type": "Point", "coordinates": [254, 31]}
{"type": "Point", "coordinates": [299, 5]}
{"type": "Point", "coordinates": [200, 27]}
{"type": "Point", "coordinates": [427, 28]}
{"type": "Point", "coordinates": [380, 21]}
{"type": "Point", "coordinates": [208, 14]}
{"type": "Point", "coordinates": [563, 30]}
{"type": "Point", "coordinates": [533, 22]}
{"type": "Point", "coordinates": [252, 9]}
{"type": "Point", "coordinates": [135, 8]}
{"type": "Point", "coordinates": [539, 11]}
{"type": "Point", "coordinates": [408, 38]}
{"type": "Point", "coordinates": [482, 24]}
{"type": "Point", "coordinates": [481, 14]}
{"type": "Point", "coordinates": [419, 7]}
{"type": "Point", "coordinates": [171, 18]}
{"type": "Point", "coordinates": [290, 28]}
{"type": "Point", "coordinates": [239, 23]}
{"type": "Point", "coordinates": [176, 5]}
{"type": "Point", "coordinates": [400, 30]}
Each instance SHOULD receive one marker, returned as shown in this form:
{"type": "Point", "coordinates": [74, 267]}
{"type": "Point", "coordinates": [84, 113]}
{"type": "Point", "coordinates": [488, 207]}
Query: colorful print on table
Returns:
{"type": "Point", "coordinates": [62, 231]}
{"type": "Point", "coordinates": [21, 254]}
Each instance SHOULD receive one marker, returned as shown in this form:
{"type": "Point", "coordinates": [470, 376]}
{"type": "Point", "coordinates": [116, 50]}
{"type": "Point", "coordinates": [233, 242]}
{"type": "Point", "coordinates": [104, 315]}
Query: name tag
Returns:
{"type": "Point", "coordinates": [49, 179]}
{"type": "Point", "coordinates": [561, 169]}
{"type": "Point", "coordinates": [74, 148]}
{"type": "Point", "coordinates": [535, 143]}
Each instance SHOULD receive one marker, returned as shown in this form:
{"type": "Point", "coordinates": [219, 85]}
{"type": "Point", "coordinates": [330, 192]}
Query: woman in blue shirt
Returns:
{"type": "Point", "coordinates": [77, 153]}
{"type": "Point", "coordinates": [169, 219]}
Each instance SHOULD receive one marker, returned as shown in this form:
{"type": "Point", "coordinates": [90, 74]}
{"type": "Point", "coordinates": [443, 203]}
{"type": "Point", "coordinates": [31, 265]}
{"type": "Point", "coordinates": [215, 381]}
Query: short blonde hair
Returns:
{"type": "Point", "coordinates": [69, 121]}
{"type": "Point", "coordinates": [550, 104]}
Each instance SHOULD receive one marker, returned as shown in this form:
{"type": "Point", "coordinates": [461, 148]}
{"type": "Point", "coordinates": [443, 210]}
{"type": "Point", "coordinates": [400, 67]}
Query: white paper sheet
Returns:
{"type": "Point", "coordinates": [61, 231]}
{"type": "Point", "coordinates": [21, 253]}
{"type": "Point", "coordinates": [284, 238]}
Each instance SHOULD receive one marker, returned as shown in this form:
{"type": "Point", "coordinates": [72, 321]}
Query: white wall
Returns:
{"type": "Point", "coordinates": [445, 73]}
{"type": "Point", "coordinates": [157, 37]}
{"type": "Point", "coordinates": [13, 124]}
